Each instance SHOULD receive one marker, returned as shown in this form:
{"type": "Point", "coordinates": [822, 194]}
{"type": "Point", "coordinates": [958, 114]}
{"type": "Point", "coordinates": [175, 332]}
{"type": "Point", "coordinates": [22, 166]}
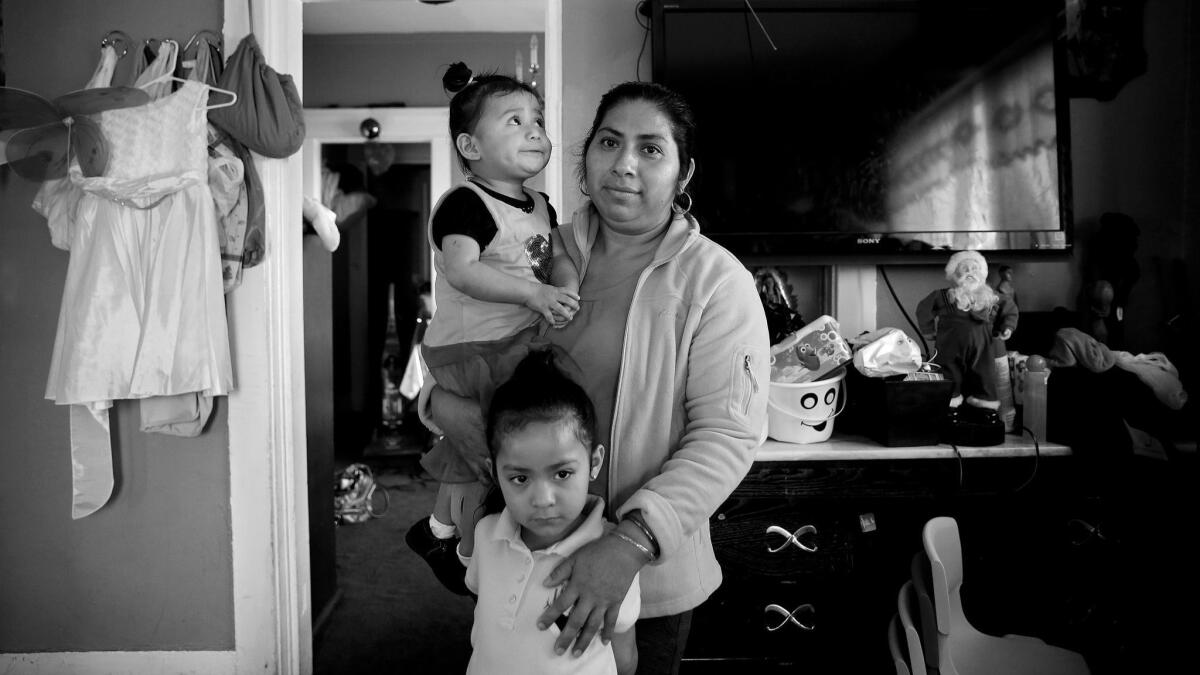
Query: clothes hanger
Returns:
{"type": "Point", "coordinates": [233, 98]}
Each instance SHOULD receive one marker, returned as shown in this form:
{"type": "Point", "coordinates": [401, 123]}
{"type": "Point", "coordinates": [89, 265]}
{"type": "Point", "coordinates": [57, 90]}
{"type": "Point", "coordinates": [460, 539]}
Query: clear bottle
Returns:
{"type": "Point", "coordinates": [1033, 412]}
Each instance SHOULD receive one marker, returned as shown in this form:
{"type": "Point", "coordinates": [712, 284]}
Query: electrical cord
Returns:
{"type": "Point", "coordinates": [1037, 457]}
{"type": "Point", "coordinates": [962, 479]}
{"type": "Point", "coordinates": [637, 16]}
{"type": "Point", "coordinates": [900, 306]}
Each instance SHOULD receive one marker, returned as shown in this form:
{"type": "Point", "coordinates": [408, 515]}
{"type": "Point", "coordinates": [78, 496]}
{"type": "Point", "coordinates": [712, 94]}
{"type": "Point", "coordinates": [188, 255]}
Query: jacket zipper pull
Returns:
{"type": "Point", "coordinates": [746, 363]}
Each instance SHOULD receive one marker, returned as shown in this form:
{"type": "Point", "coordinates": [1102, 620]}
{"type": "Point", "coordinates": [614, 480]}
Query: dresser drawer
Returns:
{"type": "Point", "coordinates": [781, 622]}
{"type": "Point", "coordinates": [773, 540]}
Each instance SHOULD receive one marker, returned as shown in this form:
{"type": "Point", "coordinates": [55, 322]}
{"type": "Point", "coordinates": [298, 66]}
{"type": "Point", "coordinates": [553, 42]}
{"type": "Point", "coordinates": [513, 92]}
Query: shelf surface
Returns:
{"type": "Point", "coordinates": [854, 448]}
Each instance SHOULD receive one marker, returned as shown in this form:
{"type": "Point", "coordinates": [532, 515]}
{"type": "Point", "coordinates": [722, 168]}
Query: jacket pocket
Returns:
{"type": "Point", "coordinates": [747, 382]}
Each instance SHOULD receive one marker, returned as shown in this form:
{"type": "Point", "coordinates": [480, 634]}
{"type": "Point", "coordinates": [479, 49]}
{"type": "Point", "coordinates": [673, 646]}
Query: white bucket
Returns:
{"type": "Point", "coordinates": [803, 412]}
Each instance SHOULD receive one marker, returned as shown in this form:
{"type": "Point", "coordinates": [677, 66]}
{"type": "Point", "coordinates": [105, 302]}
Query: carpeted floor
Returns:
{"type": "Point", "coordinates": [393, 616]}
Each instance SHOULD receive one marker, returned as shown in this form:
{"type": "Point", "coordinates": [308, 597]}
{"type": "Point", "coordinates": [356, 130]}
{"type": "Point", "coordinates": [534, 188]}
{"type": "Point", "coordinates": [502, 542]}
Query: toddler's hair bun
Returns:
{"type": "Point", "coordinates": [457, 77]}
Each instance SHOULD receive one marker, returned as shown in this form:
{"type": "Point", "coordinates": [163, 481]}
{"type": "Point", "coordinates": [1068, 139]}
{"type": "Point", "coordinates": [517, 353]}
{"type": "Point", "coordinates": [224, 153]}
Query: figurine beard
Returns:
{"type": "Point", "coordinates": [970, 294]}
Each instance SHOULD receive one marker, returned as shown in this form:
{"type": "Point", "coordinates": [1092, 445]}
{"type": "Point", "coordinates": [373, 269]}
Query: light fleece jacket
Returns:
{"type": "Point", "coordinates": [691, 403]}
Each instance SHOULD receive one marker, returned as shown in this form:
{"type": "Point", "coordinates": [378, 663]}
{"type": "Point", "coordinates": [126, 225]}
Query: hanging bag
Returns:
{"type": "Point", "coordinates": [268, 117]}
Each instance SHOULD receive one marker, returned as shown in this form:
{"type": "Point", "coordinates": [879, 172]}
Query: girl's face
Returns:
{"type": "Point", "coordinates": [632, 169]}
{"type": "Point", "coordinates": [543, 470]}
{"type": "Point", "coordinates": [509, 144]}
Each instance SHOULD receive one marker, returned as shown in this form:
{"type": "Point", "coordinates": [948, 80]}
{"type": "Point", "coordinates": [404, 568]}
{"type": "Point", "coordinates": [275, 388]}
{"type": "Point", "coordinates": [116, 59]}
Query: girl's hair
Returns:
{"type": "Point", "coordinates": [672, 105]}
{"type": "Point", "coordinates": [470, 93]}
{"type": "Point", "coordinates": [539, 391]}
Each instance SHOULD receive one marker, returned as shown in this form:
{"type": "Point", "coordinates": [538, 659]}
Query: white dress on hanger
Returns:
{"type": "Point", "coordinates": [143, 313]}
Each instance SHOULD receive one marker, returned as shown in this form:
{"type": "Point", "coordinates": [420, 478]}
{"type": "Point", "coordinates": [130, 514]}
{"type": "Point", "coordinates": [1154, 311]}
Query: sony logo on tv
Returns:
{"type": "Point", "coordinates": [869, 240]}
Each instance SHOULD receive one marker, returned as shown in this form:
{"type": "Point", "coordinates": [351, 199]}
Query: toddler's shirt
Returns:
{"type": "Point", "coordinates": [520, 247]}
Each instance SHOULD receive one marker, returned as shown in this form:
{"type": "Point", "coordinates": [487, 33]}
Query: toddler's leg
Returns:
{"type": "Point", "coordinates": [466, 508]}
{"type": "Point", "coordinates": [442, 523]}
{"type": "Point", "coordinates": [433, 539]}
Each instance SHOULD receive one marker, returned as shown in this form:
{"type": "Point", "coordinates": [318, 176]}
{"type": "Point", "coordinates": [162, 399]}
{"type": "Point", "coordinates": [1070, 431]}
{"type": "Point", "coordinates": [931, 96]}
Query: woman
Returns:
{"type": "Point", "coordinates": [671, 344]}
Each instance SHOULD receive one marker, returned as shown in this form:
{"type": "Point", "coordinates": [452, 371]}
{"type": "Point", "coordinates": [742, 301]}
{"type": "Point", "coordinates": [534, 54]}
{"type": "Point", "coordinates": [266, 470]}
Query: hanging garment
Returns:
{"type": "Point", "coordinates": [143, 314]}
{"type": "Point", "coordinates": [269, 117]}
{"type": "Point", "coordinates": [227, 178]}
{"type": "Point", "coordinates": [153, 63]}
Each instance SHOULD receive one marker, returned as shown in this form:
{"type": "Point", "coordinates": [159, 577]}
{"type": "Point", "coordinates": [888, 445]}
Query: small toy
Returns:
{"type": "Point", "coordinates": [962, 319]}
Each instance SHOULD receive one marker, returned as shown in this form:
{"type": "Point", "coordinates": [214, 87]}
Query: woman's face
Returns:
{"type": "Point", "coordinates": [632, 169]}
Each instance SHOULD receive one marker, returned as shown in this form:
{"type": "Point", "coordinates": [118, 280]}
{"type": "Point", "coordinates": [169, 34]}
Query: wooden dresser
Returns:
{"type": "Point", "coordinates": [817, 539]}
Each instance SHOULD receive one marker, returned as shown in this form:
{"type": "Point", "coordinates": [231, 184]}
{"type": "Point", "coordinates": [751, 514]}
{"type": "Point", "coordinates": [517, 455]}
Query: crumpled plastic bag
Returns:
{"type": "Point", "coordinates": [810, 353]}
{"type": "Point", "coordinates": [886, 351]}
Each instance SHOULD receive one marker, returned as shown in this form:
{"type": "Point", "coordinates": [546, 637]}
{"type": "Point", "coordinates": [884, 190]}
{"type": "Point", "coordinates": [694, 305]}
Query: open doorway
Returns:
{"type": "Point", "coordinates": [365, 583]}
{"type": "Point", "coordinates": [384, 610]}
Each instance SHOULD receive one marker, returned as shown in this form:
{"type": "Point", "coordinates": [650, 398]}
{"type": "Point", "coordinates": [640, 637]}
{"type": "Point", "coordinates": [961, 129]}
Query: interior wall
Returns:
{"type": "Point", "coordinates": [601, 43]}
{"type": "Point", "coordinates": [349, 71]}
{"type": "Point", "coordinates": [152, 570]}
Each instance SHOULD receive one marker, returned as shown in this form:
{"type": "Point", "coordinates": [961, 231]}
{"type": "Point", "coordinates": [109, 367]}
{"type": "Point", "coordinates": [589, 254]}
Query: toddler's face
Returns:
{"type": "Point", "coordinates": [511, 138]}
{"type": "Point", "coordinates": [543, 470]}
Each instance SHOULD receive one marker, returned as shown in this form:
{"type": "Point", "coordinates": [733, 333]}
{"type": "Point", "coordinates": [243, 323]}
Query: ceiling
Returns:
{"type": "Point", "coordinates": [332, 17]}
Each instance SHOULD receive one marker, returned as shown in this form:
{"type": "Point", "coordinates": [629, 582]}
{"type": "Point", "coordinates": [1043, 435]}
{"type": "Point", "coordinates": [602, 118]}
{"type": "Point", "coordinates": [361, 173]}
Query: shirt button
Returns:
{"type": "Point", "coordinates": [512, 599]}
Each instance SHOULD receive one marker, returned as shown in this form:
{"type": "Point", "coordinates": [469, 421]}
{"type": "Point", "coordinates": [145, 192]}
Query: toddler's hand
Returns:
{"type": "Point", "coordinates": [552, 302]}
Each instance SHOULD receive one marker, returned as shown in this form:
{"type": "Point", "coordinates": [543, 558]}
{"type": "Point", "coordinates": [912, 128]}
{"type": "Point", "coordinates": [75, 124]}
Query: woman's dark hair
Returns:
{"type": "Point", "coordinates": [672, 105]}
{"type": "Point", "coordinates": [539, 391]}
{"type": "Point", "coordinates": [469, 96]}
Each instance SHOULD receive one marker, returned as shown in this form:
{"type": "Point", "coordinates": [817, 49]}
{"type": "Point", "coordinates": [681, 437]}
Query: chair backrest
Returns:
{"type": "Point", "coordinates": [893, 638]}
{"type": "Point", "coordinates": [944, 549]}
{"type": "Point", "coordinates": [928, 616]}
{"type": "Point", "coordinates": [906, 608]}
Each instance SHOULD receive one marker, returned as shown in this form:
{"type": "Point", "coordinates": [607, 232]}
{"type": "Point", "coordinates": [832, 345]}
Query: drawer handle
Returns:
{"type": "Point", "coordinates": [793, 538]}
{"type": "Point", "coordinates": [790, 617]}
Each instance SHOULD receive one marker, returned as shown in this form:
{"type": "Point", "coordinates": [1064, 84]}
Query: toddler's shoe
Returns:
{"type": "Point", "coordinates": [440, 555]}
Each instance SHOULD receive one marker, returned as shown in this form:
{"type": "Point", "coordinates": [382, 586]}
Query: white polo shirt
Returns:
{"type": "Point", "coordinates": [508, 577]}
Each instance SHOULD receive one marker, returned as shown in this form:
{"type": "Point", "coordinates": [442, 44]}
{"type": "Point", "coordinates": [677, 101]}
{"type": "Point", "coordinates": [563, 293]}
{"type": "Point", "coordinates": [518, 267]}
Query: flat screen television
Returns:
{"type": "Point", "coordinates": [836, 127]}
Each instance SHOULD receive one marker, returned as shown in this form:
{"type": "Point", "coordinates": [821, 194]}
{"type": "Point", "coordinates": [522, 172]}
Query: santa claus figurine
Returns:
{"type": "Point", "coordinates": [963, 320]}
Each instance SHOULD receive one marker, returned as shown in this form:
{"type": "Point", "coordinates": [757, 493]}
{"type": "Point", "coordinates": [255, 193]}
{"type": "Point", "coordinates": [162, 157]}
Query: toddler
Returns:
{"type": "Point", "coordinates": [499, 273]}
{"type": "Point", "coordinates": [541, 430]}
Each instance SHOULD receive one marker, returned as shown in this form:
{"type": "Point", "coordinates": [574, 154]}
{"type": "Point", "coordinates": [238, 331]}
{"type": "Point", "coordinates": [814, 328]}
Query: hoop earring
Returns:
{"type": "Point", "coordinates": [583, 190]}
{"type": "Point", "coordinates": [679, 209]}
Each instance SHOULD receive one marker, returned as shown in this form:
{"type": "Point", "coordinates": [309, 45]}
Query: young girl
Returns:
{"type": "Point", "coordinates": [541, 431]}
{"type": "Point", "coordinates": [495, 262]}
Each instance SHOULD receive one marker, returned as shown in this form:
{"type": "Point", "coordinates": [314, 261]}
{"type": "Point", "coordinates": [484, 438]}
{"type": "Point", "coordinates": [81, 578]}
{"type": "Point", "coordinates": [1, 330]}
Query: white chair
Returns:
{"type": "Point", "coordinates": [963, 650]}
{"type": "Point", "coordinates": [906, 608]}
{"type": "Point", "coordinates": [927, 619]}
{"type": "Point", "coordinates": [894, 646]}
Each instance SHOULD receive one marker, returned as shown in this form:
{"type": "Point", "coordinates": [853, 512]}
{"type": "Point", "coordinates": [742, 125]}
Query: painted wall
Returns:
{"type": "Point", "coordinates": [152, 570]}
{"type": "Point", "coordinates": [601, 42]}
{"type": "Point", "coordinates": [350, 71]}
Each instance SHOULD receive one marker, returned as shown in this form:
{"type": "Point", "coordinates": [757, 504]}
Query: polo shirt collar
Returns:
{"type": "Point", "coordinates": [591, 528]}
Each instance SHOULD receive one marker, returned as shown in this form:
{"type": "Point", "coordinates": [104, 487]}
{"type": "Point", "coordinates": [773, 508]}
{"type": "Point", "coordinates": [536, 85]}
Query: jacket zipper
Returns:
{"type": "Point", "coordinates": [746, 365]}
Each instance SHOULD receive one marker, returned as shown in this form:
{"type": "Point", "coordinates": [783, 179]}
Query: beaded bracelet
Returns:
{"type": "Point", "coordinates": [636, 518]}
{"type": "Point", "coordinates": [624, 537]}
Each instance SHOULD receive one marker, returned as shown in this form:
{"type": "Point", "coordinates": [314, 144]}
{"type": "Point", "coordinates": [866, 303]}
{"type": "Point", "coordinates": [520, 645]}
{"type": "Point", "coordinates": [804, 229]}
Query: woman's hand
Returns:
{"type": "Point", "coordinates": [597, 578]}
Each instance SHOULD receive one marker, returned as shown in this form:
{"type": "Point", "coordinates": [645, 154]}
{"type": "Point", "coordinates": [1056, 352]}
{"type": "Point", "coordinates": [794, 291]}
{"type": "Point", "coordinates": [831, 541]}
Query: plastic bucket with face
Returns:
{"type": "Point", "coordinates": [803, 412]}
